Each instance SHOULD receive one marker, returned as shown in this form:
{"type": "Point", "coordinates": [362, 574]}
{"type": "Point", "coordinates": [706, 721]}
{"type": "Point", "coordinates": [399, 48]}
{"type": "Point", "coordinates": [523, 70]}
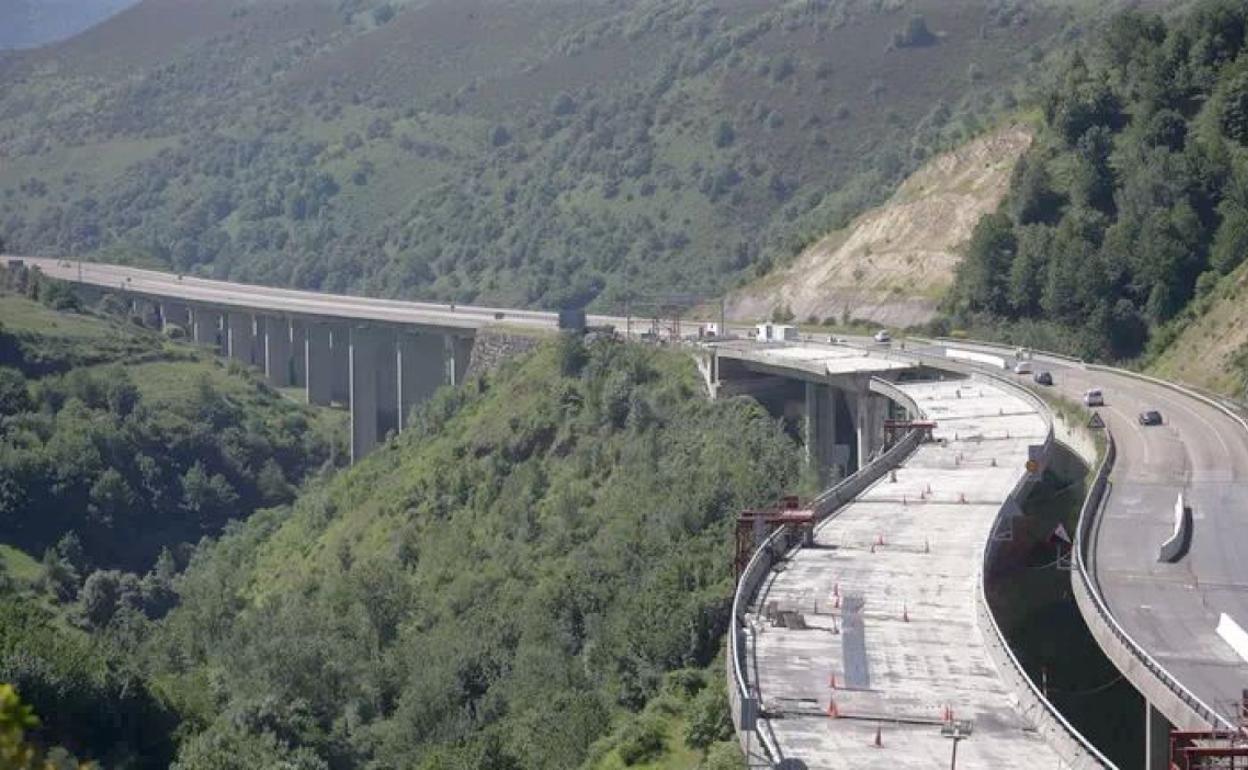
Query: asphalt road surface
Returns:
{"type": "Point", "coordinates": [1172, 610]}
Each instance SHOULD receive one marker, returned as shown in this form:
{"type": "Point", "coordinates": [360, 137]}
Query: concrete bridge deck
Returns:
{"type": "Point", "coordinates": [903, 640]}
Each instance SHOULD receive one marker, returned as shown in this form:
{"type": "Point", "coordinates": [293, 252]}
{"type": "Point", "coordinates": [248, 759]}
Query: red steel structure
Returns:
{"type": "Point", "coordinates": [1223, 749]}
{"type": "Point", "coordinates": [754, 525]}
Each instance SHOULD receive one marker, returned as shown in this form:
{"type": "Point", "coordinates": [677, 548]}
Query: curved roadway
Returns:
{"type": "Point", "coordinates": [1172, 610]}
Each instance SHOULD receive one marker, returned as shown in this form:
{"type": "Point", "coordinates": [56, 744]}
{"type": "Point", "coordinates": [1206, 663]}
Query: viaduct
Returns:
{"type": "Point", "coordinates": [868, 642]}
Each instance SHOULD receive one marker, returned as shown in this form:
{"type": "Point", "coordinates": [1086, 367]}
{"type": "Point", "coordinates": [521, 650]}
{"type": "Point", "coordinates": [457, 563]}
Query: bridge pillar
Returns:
{"type": "Point", "coordinates": [175, 314]}
{"type": "Point", "coordinates": [339, 366]}
{"type": "Point", "coordinates": [374, 388]}
{"type": "Point", "coordinates": [318, 363]}
{"type": "Point", "coordinates": [364, 344]}
{"type": "Point", "coordinates": [206, 327]}
{"type": "Point", "coordinates": [422, 369]}
{"type": "Point", "coordinates": [820, 429]}
{"type": "Point", "coordinates": [298, 353]}
{"type": "Point", "coordinates": [459, 355]}
{"type": "Point", "coordinates": [1156, 739]}
{"type": "Point", "coordinates": [387, 384]}
{"type": "Point", "coordinates": [241, 337]}
{"type": "Point", "coordinates": [276, 351]}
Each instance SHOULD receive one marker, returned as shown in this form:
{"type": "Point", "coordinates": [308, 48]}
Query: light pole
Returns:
{"type": "Point", "coordinates": [957, 732]}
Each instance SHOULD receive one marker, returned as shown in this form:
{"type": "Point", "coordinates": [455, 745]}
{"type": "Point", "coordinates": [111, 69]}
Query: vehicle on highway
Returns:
{"type": "Point", "coordinates": [1094, 397]}
{"type": "Point", "coordinates": [1044, 378]}
{"type": "Point", "coordinates": [1022, 367]}
{"type": "Point", "coordinates": [1150, 417]}
{"type": "Point", "coordinates": [882, 336]}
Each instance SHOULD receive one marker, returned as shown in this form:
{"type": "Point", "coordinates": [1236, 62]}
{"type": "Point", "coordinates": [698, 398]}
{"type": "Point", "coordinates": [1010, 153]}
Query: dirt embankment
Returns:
{"type": "Point", "coordinates": [893, 263]}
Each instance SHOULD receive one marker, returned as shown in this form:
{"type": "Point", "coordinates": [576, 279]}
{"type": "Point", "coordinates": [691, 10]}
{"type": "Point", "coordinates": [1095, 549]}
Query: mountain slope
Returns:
{"type": "Point", "coordinates": [494, 589]}
{"type": "Point", "coordinates": [542, 153]}
{"type": "Point", "coordinates": [892, 264]}
{"type": "Point", "coordinates": [1211, 350]}
{"type": "Point", "coordinates": [30, 23]}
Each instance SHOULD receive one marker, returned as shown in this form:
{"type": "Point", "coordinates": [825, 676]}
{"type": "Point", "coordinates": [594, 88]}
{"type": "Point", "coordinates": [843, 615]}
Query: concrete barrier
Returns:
{"type": "Point", "coordinates": [976, 357]}
{"type": "Point", "coordinates": [1074, 749]}
{"type": "Point", "coordinates": [1233, 634]}
{"type": "Point", "coordinates": [1175, 546]}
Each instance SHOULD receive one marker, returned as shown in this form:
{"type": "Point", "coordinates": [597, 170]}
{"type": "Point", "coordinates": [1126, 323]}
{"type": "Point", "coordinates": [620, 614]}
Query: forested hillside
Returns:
{"type": "Point", "coordinates": [531, 153]}
{"type": "Point", "coordinates": [1134, 201]}
{"type": "Point", "coordinates": [504, 586]}
{"type": "Point", "coordinates": [119, 452]}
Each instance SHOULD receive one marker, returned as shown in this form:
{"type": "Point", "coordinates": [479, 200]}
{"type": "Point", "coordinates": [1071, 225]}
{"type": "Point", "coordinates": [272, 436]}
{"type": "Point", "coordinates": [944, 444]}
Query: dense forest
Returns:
{"type": "Point", "coordinates": [538, 574]}
{"type": "Point", "coordinates": [527, 153]}
{"type": "Point", "coordinates": [1133, 204]}
{"type": "Point", "coordinates": [508, 585]}
{"type": "Point", "coordinates": [119, 453]}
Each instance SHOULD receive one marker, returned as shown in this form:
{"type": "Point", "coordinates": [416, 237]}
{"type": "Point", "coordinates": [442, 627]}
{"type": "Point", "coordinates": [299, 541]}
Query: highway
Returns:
{"type": "Point", "coordinates": [1171, 610]}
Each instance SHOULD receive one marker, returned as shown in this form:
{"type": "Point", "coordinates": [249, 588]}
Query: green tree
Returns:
{"type": "Point", "coordinates": [985, 272]}
{"type": "Point", "coordinates": [1234, 108]}
{"type": "Point", "coordinates": [14, 395]}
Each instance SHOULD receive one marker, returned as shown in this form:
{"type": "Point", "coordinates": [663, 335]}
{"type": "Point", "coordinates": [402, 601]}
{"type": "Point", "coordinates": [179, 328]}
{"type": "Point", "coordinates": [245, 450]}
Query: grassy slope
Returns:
{"type": "Point", "coordinates": [1211, 351]}
{"type": "Point", "coordinates": [435, 195]}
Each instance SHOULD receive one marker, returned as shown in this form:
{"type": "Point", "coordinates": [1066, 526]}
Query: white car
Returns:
{"type": "Point", "coordinates": [882, 336]}
{"type": "Point", "coordinates": [1022, 367]}
{"type": "Point", "coordinates": [1094, 397]}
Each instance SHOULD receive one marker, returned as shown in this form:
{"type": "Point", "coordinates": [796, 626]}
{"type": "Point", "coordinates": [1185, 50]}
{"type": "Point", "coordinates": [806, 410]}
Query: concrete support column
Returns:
{"type": "Point", "coordinates": [1156, 739]}
{"type": "Point", "coordinates": [339, 368]}
{"type": "Point", "coordinates": [387, 384]}
{"type": "Point", "coordinates": [459, 355]}
{"type": "Point", "coordinates": [206, 328]}
{"type": "Point", "coordinates": [422, 371]}
{"type": "Point", "coordinates": [810, 432]}
{"type": "Point", "coordinates": [364, 351]}
{"type": "Point", "coordinates": [241, 337]}
{"type": "Point", "coordinates": [175, 314]}
{"type": "Point", "coordinates": [827, 433]}
{"type": "Point", "coordinates": [298, 353]}
{"type": "Point", "coordinates": [374, 388]}
{"type": "Point", "coordinates": [277, 351]}
{"type": "Point", "coordinates": [318, 363]}
{"type": "Point", "coordinates": [820, 431]}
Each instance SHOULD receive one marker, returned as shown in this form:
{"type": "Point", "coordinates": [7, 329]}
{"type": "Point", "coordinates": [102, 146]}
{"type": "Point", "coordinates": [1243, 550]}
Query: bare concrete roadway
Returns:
{"type": "Point", "coordinates": [1172, 610]}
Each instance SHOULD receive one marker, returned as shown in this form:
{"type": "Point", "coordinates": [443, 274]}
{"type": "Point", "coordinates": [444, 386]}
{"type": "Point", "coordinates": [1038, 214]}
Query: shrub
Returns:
{"type": "Point", "coordinates": [640, 741]}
